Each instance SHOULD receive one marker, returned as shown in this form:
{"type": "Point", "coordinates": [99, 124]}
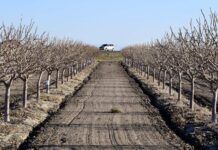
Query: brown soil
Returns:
{"type": "Point", "coordinates": [86, 121]}
{"type": "Point", "coordinates": [23, 121]}
{"type": "Point", "coordinates": [194, 126]}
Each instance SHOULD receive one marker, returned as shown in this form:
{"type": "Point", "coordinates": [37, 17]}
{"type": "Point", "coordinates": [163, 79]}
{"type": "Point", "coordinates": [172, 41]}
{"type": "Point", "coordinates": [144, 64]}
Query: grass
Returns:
{"type": "Point", "coordinates": [115, 110]}
{"type": "Point", "coordinates": [109, 56]}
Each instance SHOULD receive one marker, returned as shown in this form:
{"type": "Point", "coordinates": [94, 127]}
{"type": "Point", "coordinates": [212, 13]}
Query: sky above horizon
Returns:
{"type": "Point", "coordinates": [120, 22]}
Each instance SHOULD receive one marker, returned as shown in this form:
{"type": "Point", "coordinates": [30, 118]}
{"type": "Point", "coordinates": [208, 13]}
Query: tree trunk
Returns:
{"type": "Point", "coordinates": [7, 102]}
{"type": "Point", "coordinates": [57, 78]}
{"type": "Point", "coordinates": [214, 120]}
{"type": "Point", "coordinates": [193, 93]}
{"type": "Point", "coordinates": [62, 77]}
{"type": "Point", "coordinates": [180, 86]}
{"type": "Point", "coordinates": [141, 70]}
{"type": "Point", "coordinates": [48, 83]}
{"type": "Point", "coordinates": [71, 73]}
{"type": "Point", "coordinates": [25, 88]}
{"type": "Point", "coordinates": [171, 85]}
{"type": "Point", "coordinates": [164, 79]}
{"type": "Point", "coordinates": [159, 77]}
{"type": "Point", "coordinates": [137, 67]}
{"type": "Point", "coordinates": [144, 71]}
{"type": "Point", "coordinates": [84, 65]}
{"type": "Point", "coordinates": [145, 74]}
{"type": "Point", "coordinates": [78, 68]}
{"type": "Point", "coordinates": [38, 86]}
{"type": "Point", "coordinates": [154, 71]}
{"type": "Point", "coordinates": [68, 74]}
{"type": "Point", "coordinates": [148, 69]}
{"type": "Point", "coordinates": [81, 66]}
{"type": "Point", "coordinates": [74, 70]}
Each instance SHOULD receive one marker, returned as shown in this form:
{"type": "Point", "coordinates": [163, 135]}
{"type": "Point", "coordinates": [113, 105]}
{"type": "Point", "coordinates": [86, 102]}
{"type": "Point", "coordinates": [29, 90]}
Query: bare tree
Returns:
{"type": "Point", "coordinates": [41, 54]}
{"type": "Point", "coordinates": [8, 72]}
{"type": "Point", "coordinates": [209, 57]}
{"type": "Point", "coordinates": [26, 56]}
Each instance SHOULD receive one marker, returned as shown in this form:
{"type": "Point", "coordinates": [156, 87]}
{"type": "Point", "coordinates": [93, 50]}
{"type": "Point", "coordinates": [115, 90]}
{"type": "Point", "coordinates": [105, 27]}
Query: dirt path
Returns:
{"type": "Point", "coordinates": [87, 123]}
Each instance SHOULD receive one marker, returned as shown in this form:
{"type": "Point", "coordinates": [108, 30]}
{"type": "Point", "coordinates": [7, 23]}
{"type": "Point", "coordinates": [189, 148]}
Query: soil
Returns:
{"type": "Point", "coordinates": [24, 121]}
{"type": "Point", "coordinates": [194, 126]}
{"type": "Point", "coordinates": [87, 122]}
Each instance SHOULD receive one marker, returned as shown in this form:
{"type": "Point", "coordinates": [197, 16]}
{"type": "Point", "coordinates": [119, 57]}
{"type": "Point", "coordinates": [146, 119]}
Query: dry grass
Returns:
{"type": "Point", "coordinates": [110, 56]}
{"type": "Point", "coordinates": [181, 115]}
{"type": "Point", "coordinates": [53, 98]}
{"type": "Point", "coordinates": [23, 120]}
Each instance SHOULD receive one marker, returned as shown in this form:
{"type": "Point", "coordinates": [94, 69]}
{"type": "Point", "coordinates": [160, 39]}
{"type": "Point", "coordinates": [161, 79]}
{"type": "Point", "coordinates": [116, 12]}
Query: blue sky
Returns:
{"type": "Point", "coordinates": [122, 22]}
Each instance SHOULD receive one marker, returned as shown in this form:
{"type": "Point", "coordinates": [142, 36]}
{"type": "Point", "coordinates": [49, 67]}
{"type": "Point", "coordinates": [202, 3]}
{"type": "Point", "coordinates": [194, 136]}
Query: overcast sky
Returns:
{"type": "Point", "coordinates": [120, 22]}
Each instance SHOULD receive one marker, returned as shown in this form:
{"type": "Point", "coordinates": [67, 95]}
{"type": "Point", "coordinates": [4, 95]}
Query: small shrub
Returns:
{"type": "Point", "coordinates": [115, 110]}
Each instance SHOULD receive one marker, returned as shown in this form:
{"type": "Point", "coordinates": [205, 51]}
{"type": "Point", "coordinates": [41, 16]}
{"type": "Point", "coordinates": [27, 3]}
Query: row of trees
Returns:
{"type": "Point", "coordinates": [191, 52]}
{"type": "Point", "coordinates": [24, 52]}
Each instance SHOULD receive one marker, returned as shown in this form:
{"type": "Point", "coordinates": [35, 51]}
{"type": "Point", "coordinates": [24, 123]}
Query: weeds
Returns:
{"type": "Point", "coordinates": [115, 110]}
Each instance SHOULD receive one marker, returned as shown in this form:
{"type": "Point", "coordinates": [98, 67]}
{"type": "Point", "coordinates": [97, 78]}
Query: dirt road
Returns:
{"type": "Point", "coordinates": [86, 122]}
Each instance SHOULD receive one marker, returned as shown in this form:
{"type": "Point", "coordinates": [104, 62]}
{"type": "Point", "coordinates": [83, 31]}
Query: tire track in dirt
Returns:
{"type": "Point", "coordinates": [83, 104]}
{"type": "Point", "coordinates": [87, 123]}
{"type": "Point", "coordinates": [88, 131]}
{"type": "Point", "coordinates": [127, 132]}
{"type": "Point", "coordinates": [56, 133]}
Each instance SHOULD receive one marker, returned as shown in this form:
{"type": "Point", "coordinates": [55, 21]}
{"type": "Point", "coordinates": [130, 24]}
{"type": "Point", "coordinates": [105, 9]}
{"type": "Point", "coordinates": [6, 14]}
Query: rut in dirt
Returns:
{"type": "Point", "coordinates": [86, 121]}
